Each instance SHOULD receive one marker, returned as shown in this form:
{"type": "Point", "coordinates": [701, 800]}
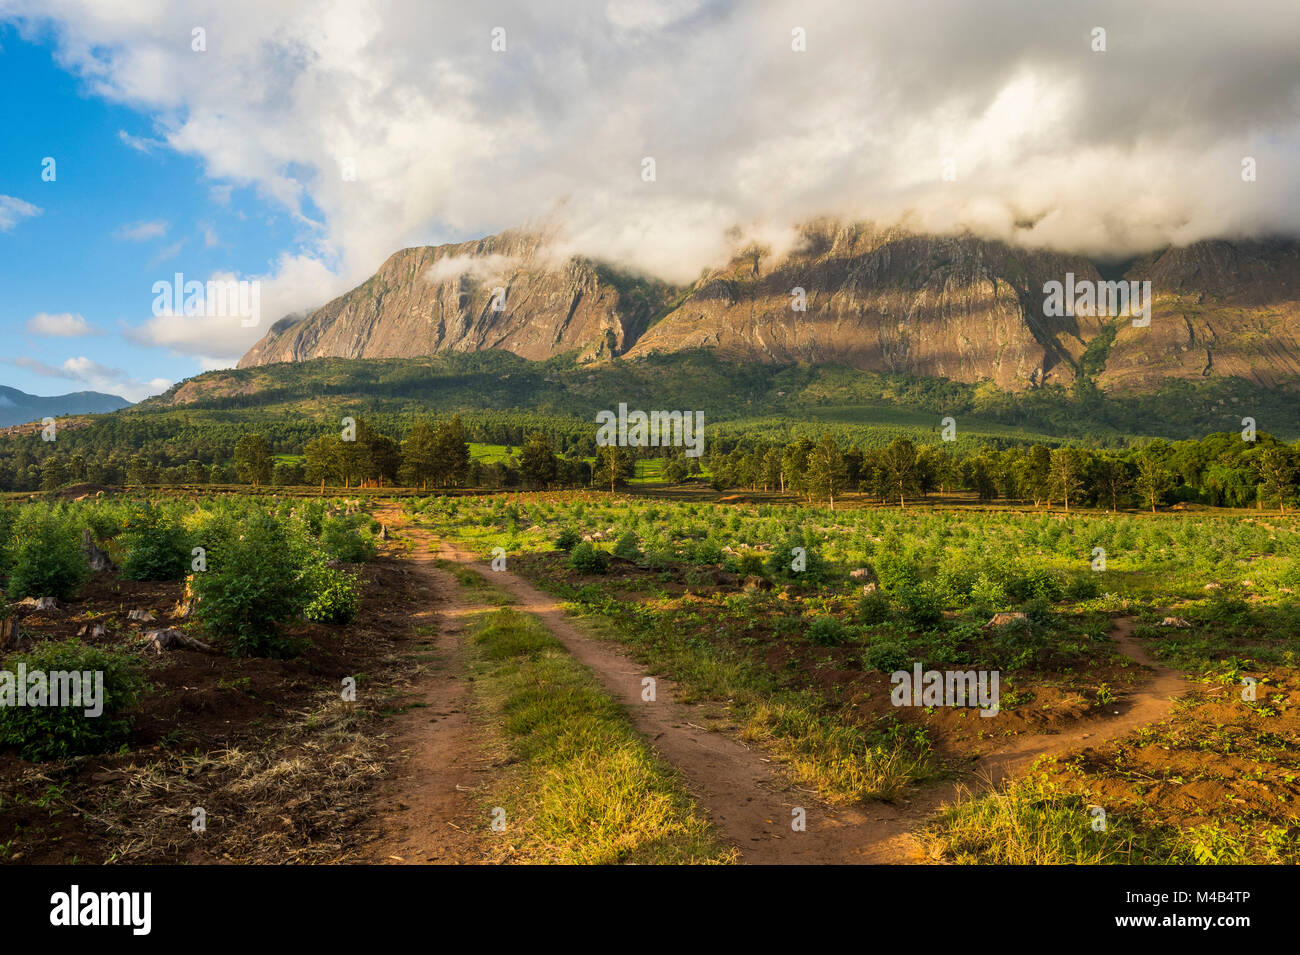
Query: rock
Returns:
{"type": "Point", "coordinates": [173, 639]}
{"type": "Point", "coordinates": [1004, 619]}
{"type": "Point", "coordinates": [144, 616]}
{"type": "Point", "coordinates": [1178, 622]}
{"type": "Point", "coordinates": [753, 583]}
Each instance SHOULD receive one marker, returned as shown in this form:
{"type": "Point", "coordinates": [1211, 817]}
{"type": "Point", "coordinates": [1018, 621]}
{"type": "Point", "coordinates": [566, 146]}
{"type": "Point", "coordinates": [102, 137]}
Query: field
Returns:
{"type": "Point", "coordinates": [369, 663]}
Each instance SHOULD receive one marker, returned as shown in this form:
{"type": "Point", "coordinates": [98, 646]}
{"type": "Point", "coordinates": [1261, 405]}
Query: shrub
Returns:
{"type": "Point", "coordinates": [45, 557]}
{"type": "Point", "coordinates": [1083, 587]}
{"type": "Point", "coordinates": [896, 572]}
{"type": "Point", "coordinates": [921, 605]}
{"type": "Point", "coordinates": [627, 547]}
{"type": "Point", "coordinates": [567, 539]}
{"type": "Point", "coordinates": [56, 732]}
{"type": "Point", "coordinates": [157, 548]}
{"type": "Point", "coordinates": [586, 559]}
{"type": "Point", "coordinates": [253, 584]}
{"type": "Point", "coordinates": [826, 632]}
{"type": "Point", "coordinates": [886, 656]}
{"type": "Point", "coordinates": [333, 595]}
{"type": "Point", "coordinates": [872, 608]}
{"type": "Point", "coordinates": [1036, 583]}
{"type": "Point", "coordinates": [343, 538]}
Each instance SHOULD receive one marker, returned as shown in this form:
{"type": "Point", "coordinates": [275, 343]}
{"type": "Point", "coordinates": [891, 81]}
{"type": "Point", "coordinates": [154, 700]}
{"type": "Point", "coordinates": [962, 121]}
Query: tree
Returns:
{"type": "Point", "coordinates": [321, 460]}
{"type": "Point", "coordinates": [1276, 467]}
{"type": "Point", "coordinates": [53, 476]}
{"type": "Point", "coordinates": [253, 460]}
{"type": "Point", "coordinates": [613, 464]}
{"type": "Point", "coordinates": [537, 463]}
{"type": "Point", "coordinates": [419, 455]}
{"type": "Point", "coordinates": [1152, 480]}
{"type": "Point", "coordinates": [898, 464]}
{"type": "Point", "coordinates": [451, 452]}
{"type": "Point", "coordinates": [827, 472]}
{"type": "Point", "coordinates": [1065, 476]}
{"type": "Point", "coordinates": [1113, 479]}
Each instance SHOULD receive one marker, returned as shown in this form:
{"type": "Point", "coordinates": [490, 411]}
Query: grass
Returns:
{"type": "Point", "coordinates": [1041, 821]}
{"type": "Point", "coordinates": [583, 789]}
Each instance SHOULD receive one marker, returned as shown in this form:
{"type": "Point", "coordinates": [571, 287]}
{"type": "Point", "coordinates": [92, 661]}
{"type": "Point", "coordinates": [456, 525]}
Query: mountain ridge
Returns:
{"type": "Point", "coordinates": [875, 299]}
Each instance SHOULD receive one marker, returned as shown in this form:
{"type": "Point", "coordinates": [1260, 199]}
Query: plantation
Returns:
{"type": "Point", "coordinates": [788, 622]}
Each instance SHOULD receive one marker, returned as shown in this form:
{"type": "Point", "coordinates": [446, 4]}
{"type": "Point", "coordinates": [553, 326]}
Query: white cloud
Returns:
{"type": "Point", "coordinates": [13, 211]}
{"type": "Point", "coordinates": [142, 231]}
{"type": "Point", "coordinates": [90, 375]}
{"type": "Point", "coordinates": [139, 143]}
{"type": "Point", "coordinates": [62, 325]}
{"type": "Point", "coordinates": [1107, 153]}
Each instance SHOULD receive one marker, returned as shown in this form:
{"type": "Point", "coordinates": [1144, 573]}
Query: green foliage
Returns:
{"type": "Point", "coordinates": [157, 546]}
{"type": "Point", "coordinates": [333, 595]}
{"type": "Point", "coordinates": [347, 538]}
{"type": "Point", "coordinates": [826, 632]}
{"type": "Point", "coordinates": [45, 556]}
{"type": "Point", "coordinates": [56, 732]}
{"type": "Point", "coordinates": [587, 559]}
{"type": "Point", "coordinates": [253, 585]}
{"type": "Point", "coordinates": [887, 656]}
{"type": "Point", "coordinates": [628, 546]}
{"type": "Point", "coordinates": [922, 606]}
{"type": "Point", "coordinates": [567, 539]}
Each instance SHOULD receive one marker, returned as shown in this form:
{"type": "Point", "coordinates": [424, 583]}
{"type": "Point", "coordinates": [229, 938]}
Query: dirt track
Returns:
{"type": "Point", "coordinates": [743, 791]}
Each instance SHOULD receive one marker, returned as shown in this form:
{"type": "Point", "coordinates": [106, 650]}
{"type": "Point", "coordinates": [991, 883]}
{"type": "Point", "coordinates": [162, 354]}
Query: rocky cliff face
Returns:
{"type": "Point", "coordinates": [874, 299]}
{"type": "Point", "coordinates": [505, 291]}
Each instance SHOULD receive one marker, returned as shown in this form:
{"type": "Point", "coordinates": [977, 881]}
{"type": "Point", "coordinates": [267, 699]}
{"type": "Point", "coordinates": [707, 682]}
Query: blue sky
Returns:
{"type": "Point", "coordinates": [224, 159]}
{"type": "Point", "coordinates": [122, 212]}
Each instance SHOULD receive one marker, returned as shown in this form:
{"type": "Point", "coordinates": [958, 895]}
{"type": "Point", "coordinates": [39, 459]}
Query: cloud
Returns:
{"type": "Point", "coordinates": [1105, 153]}
{"type": "Point", "coordinates": [140, 143]}
{"type": "Point", "coordinates": [167, 252]}
{"type": "Point", "coordinates": [13, 211]}
{"type": "Point", "coordinates": [90, 375]}
{"type": "Point", "coordinates": [63, 325]}
{"type": "Point", "coordinates": [294, 284]}
{"type": "Point", "coordinates": [142, 231]}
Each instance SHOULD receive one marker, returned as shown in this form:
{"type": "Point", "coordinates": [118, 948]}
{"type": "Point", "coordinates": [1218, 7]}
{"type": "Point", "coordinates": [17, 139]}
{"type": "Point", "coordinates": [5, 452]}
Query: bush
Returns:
{"type": "Point", "coordinates": [886, 656]}
{"type": "Point", "coordinates": [871, 609]}
{"type": "Point", "coordinates": [567, 539]}
{"type": "Point", "coordinates": [333, 595]}
{"type": "Point", "coordinates": [1083, 587]}
{"type": "Point", "coordinates": [157, 548]}
{"type": "Point", "coordinates": [253, 584]}
{"type": "Point", "coordinates": [1037, 583]}
{"type": "Point", "coordinates": [586, 559]}
{"type": "Point", "coordinates": [896, 572]}
{"type": "Point", "coordinates": [921, 605]}
{"type": "Point", "coordinates": [628, 547]}
{"type": "Point", "coordinates": [56, 732]}
{"type": "Point", "coordinates": [826, 632]}
{"type": "Point", "coordinates": [343, 538]}
{"type": "Point", "coordinates": [45, 557]}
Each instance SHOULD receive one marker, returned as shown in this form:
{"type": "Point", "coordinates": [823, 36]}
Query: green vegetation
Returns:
{"type": "Point", "coordinates": [586, 789]}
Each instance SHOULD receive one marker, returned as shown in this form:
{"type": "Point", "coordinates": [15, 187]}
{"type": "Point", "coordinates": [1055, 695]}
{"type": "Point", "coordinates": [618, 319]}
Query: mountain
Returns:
{"type": "Point", "coordinates": [18, 407]}
{"type": "Point", "coordinates": [879, 300]}
{"type": "Point", "coordinates": [428, 300]}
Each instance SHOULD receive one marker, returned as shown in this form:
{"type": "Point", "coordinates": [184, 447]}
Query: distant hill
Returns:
{"type": "Point", "coordinates": [955, 308]}
{"type": "Point", "coordinates": [18, 407]}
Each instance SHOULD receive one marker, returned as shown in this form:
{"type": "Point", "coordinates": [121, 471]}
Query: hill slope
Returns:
{"type": "Point", "coordinates": [879, 300]}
